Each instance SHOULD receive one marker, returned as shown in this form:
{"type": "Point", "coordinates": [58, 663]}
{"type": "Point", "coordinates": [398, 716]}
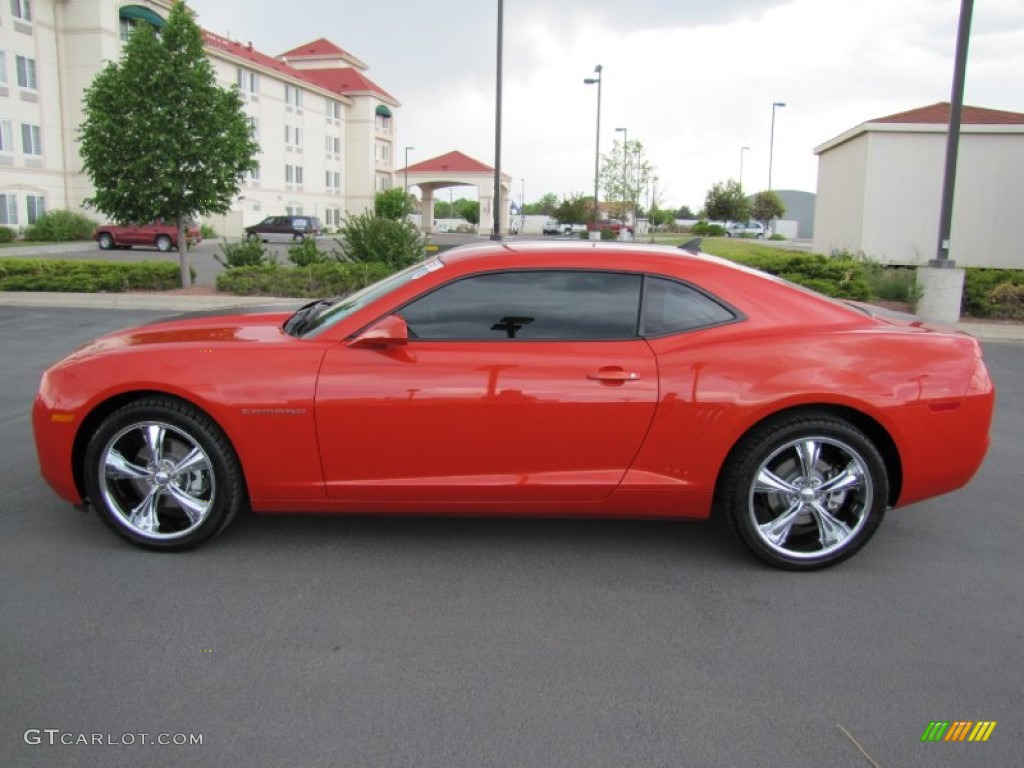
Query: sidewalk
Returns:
{"type": "Point", "coordinates": [184, 302]}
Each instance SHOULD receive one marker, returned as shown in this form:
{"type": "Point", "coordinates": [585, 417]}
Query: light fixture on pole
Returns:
{"type": "Point", "coordinates": [625, 164]}
{"type": "Point", "coordinates": [742, 150]}
{"type": "Point", "coordinates": [771, 143]}
{"type": "Point", "coordinates": [597, 142]}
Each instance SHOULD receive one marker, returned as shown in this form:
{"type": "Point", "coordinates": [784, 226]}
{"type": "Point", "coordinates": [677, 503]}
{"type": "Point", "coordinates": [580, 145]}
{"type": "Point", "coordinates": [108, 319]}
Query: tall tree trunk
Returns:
{"type": "Point", "coordinates": [186, 272]}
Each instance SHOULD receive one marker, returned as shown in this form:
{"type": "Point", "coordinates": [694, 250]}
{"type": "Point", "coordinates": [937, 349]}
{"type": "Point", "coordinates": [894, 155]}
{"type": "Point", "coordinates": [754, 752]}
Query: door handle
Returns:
{"type": "Point", "coordinates": [613, 374]}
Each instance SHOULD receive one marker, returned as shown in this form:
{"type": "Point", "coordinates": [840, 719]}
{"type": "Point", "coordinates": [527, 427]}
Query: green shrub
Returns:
{"type": "Point", "coordinates": [777, 236]}
{"type": "Point", "coordinates": [1007, 300]}
{"type": "Point", "coordinates": [207, 231]}
{"type": "Point", "coordinates": [60, 226]}
{"type": "Point", "coordinates": [704, 229]}
{"type": "Point", "coordinates": [980, 285]}
{"type": "Point", "coordinates": [88, 275]}
{"type": "Point", "coordinates": [306, 252]}
{"type": "Point", "coordinates": [7, 235]}
{"type": "Point", "coordinates": [371, 238]}
{"type": "Point", "coordinates": [247, 253]}
{"type": "Point", "coordinates": [330, 278]}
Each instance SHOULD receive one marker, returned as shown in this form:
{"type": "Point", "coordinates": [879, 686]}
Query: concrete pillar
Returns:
{"type": "Point", "coordinates": [942, 288]}
{"type": "Point", "coordinates": [426, 208]}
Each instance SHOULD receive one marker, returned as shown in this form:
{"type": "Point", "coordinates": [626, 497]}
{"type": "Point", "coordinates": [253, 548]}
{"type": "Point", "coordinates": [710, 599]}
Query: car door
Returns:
{"type": "Point", "coordinates": [514, 386]}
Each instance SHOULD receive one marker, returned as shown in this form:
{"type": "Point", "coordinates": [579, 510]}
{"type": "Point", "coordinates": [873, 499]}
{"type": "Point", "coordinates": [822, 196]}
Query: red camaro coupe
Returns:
{"type": "Point", "coordinates": [569, 379]}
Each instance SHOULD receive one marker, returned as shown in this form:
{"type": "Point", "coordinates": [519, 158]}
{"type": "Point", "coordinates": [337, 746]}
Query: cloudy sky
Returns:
{"type": "Point", "coordinates": [694, 80]}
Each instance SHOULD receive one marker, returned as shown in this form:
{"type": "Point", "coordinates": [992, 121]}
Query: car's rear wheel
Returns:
{"type": "Point", "coordinates": [298, 237]}
{"type": "Point", "coordinates": [163, 475]}
{"type": "Point", "coordinates": [163, 243]}
{"type": "Point", "coordinates": [106, 241]}
{"type": "Point", "coordinates": [805, 492]}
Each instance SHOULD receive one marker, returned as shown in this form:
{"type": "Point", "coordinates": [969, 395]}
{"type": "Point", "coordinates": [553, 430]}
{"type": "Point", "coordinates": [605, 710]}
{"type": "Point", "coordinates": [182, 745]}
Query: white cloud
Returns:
{"type": "Point", "coordinates": [694, 81]}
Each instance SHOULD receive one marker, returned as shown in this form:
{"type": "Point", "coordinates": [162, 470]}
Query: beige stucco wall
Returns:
{"type": "Point", "coordinates": [880, 192]}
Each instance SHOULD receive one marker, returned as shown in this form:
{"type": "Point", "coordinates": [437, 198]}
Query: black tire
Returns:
{"type": "Point", "coordinates": [298, 237]}
{"type": "Point", "coordinates": [106, 241]}
{"type": "Point", "coordinates": [163, 475]}
{"type": "Point", "coordinates": [163, 243]}
{"type": "Point", "coordinates": [806, 491]}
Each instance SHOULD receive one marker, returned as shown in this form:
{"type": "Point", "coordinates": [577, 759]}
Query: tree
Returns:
{"type": "Point", "coordinates": [625, 174]}
{"type": "Point", "coordinates": [575, 209]}
{"type": "Point", "coordinates": [544, 207]}
{"type": "Point", "coordinates": [725, 201]}
{"type": "Point", "coordinates": [160, 139]}
{"type": "Point", "coordinates": [392, 204]}
{"type": "Point", "coordinates": [685, 213]}
{"type": "Point", "coordinates": [467, 209]}
{"type": "Point", "coordinates": [767, 206]}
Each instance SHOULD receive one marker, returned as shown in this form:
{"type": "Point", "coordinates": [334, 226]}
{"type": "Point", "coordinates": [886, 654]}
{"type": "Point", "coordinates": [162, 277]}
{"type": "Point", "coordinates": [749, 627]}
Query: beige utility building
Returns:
{"type": "Point", "coordinates": [880, 188]}
{"type": "Point", "coordinates": [326, 131]}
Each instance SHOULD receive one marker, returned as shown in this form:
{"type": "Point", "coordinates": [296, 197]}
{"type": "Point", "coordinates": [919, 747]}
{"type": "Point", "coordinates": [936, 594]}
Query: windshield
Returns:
{"type": "Point", "coordinates": [330, 312]}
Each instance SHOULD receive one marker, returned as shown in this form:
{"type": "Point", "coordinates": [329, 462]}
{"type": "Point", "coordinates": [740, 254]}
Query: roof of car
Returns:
{"type": "Point", "coordinates": [594, 249]}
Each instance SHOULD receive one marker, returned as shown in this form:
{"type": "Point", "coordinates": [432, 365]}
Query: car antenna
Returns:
{"type": "Point", "coordinates": [692, 245]}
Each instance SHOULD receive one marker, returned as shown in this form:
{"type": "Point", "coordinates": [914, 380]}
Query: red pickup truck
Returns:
{"type": "Point", "coordinates": [157, 234]}
{"type": "Point", "coordinates": [614, 225]}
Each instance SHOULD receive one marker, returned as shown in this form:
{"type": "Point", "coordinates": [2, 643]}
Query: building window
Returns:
{"type": "Point", "coordinates": [36, 207]}
{"type": "Point", "coordinates": [22, 9]}
{"type": "Point", "coordinates": [3, 68]}
{"type": "Point", "coordinates": [334, 109]}
{"type": "Point", "coordinates": [26, 72]}
{"type": "Point", "coordinates": [383, 151]}
{"type": "Point", "coordinates": [293, 135]}
{"type": "Point", "coordinates": [254, 127]}
{"type": "Point", "coordinates": [384, 123]}
{"type": "Point", "coordinates": [293, 210]}
{"type": "Point", "coordinates": [31, 144]}
{"type": "Point", "coordinates": [248, 81]}
{"type": "Point", "coordinates": [8, 210]}
{"type": "Point", "coordinates": [293, 174]}
{"type": "Point", "coordinates": [6, 137]}
{"type": "Point", "coordinates": [293, 96]}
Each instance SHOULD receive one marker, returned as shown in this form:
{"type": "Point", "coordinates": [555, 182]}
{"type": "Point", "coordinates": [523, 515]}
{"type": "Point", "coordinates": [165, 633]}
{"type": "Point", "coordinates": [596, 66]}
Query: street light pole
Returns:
{"type": "Point", "coordinates": [771, 143]}
{"type": "Point", "coordinates": [405, 172]}
{"type": "Point", "coordinates": [597, 142]}
{"type": "Point", "coordinates": [742, 150]}
{"type": "Point", "coordinates": [496, 226]}
{"type": "Point", "coordinates": [625, 172]}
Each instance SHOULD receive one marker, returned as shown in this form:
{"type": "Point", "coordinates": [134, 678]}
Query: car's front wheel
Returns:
{"type": "Point", "coordinates": [106, 241]}
{"type": "Point", "coordinates": [163, 243]}
{"type": "Point", "coordinates": [163, 475]}
{"type": "Point", "coordinates": [806, 491]}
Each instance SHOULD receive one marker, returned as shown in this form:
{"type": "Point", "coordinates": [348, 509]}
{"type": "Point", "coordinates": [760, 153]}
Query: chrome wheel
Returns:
{"type": "Point", "coordinates": [157, 480]}
{"type": "Point", "coordinates": [162, 474]}
{"type": "Point", "coordinates": [106, 241]}
{"type": "Point", "coordinates": [163, 243]}
{"type": "Point", "coordinates": [805, 491]}
{"type": "Point", "coordinates": [810, 497]}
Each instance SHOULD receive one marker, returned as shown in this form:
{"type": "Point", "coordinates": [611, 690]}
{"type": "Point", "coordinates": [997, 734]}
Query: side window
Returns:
{"type": "Point", "coordinates": [671, 307]}
{"type": "Point", "coordinates": [530, 305]}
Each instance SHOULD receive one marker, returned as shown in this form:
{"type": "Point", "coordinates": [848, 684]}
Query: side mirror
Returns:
{"type": "Point", "coordinates": [390, 331]}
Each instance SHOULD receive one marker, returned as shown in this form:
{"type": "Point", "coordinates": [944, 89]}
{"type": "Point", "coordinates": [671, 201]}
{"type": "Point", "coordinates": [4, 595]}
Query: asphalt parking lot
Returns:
{"type": "Point", "coordinates": [306, 641]}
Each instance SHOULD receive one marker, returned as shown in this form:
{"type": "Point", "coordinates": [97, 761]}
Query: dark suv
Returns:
{"type": "Point", "coordinates": [295, 228]}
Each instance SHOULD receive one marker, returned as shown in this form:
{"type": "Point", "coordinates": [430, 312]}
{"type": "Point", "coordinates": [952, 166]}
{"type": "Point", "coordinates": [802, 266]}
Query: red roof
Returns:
{"type": "Point", "coordinates": [456, 162]}
{"type": "Point", "coordinates": [322, 49]}
{"type": "Point", "coordinates": [346, 80]}
{"type": "Point", "coordinates": [248, 52]}
{"type": "Point", "coordinates": [939, 114]}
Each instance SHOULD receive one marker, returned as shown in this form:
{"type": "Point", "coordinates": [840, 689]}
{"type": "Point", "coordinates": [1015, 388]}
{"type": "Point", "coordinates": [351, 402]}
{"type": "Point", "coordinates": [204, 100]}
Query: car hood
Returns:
{"type": "Point", "coordinates": [203, 329]}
